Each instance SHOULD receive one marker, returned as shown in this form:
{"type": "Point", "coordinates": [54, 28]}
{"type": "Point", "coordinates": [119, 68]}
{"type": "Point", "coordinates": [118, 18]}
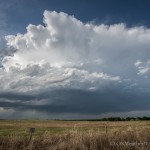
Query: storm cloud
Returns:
{"type": "Point", "coordinates": [66, 66]}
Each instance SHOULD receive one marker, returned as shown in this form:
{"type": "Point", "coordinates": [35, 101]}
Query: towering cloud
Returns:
{"type": "Point", "coordinates": [66, 65]}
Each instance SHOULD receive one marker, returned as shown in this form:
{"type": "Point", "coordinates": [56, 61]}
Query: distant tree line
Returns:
{"type": "Point", "coordinates": [114, 119]}
{"type": "Point", "coordinates": [121, 119]}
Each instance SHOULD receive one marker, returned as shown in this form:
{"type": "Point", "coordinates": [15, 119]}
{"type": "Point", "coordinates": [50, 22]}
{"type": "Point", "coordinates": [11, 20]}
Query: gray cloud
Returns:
{"type": "Point", "coordinates": [77, 101]}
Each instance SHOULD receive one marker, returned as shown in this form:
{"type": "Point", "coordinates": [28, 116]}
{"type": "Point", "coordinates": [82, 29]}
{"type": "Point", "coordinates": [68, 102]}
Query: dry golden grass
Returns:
{"type": "Point", "coordinates": [132, 135]}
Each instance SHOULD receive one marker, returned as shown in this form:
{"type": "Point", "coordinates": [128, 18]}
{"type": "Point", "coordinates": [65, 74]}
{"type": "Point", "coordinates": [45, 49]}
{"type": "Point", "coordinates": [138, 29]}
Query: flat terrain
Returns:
{"type": "Point", "coordinates": [21, 127]}
{"type": "Point", "coordinates": [49, 134]}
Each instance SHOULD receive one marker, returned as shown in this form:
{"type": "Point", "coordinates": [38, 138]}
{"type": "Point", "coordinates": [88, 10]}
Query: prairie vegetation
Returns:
{"type": "Point", "coordinates": [74, 135]}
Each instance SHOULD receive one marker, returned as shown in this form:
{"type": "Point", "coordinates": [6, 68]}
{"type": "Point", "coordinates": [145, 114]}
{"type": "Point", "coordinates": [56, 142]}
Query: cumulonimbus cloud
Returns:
{"type": "Point", "coordinates": [65, 53]}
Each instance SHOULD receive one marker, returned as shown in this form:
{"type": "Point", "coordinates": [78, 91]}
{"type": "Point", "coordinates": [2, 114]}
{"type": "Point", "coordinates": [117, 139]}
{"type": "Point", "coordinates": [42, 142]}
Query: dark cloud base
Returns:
{"type": "Point", "coordinates": [76, 101]}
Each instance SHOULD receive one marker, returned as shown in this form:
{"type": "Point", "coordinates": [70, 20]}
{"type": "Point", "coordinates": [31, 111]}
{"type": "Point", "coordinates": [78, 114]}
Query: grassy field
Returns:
{"type": "Point", "coordinates": [74, 135]}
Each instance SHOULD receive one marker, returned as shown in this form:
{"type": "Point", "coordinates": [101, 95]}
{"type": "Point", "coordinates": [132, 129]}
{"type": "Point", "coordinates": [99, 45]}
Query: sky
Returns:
{"type": "Point", "coordinates": [74, 59]}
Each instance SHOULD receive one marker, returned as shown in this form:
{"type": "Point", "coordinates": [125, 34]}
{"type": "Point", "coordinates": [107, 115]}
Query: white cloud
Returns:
{"type": "Point", "coordinates": [66, 53]}
{"type": "Point", "coordinates": [43, 75]}
{"type": "Point", "coordinates": [143, 67]}
{"type": "Point", "coordinates": [64, 38]}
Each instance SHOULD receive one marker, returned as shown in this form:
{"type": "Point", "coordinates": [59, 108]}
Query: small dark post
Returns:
{"type": "Point", "coordinates": [106, 129]}
{"type": "Point", "coordinates": [32, 130]}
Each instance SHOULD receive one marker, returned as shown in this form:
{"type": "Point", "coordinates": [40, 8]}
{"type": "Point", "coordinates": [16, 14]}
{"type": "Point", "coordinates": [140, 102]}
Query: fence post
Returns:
{"type": "Point", "coordinates": [106, 129]}
{"type": "Point", "coordinates": [32, 130]}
